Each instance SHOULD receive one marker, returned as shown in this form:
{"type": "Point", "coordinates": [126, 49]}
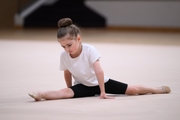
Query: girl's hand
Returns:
{"type": "Point", "coordinates": [104, 96]}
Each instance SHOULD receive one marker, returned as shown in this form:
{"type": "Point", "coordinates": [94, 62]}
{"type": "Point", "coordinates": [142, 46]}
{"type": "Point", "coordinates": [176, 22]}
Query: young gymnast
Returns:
{"type": "Point", "coordinates": [81, 61]}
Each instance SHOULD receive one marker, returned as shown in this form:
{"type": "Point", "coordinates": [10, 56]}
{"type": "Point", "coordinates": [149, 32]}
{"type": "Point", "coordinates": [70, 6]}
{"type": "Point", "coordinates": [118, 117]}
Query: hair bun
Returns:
{"type": "Point", "coordinates": [64, 22]}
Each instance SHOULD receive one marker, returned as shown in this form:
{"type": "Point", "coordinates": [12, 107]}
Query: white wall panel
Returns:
{"type": "Point", "coordinates": [139, 13]}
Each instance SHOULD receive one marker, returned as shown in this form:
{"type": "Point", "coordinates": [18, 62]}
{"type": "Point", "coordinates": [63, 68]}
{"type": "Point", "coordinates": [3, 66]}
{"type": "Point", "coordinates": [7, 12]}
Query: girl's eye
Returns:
{"type": "Point", "coordinates": [69, 45]}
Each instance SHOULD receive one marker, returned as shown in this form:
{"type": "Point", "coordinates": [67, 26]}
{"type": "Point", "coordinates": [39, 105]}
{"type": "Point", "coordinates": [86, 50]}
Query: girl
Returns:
{"type": "Point", "coordinates": [81, 61]}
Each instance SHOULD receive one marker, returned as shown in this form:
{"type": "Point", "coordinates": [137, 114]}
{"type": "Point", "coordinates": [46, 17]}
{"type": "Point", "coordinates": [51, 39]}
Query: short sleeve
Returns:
{"type": "Point", "coordinates": [62, 63]}
{"type": "Point", "coordinates": [93, 55]}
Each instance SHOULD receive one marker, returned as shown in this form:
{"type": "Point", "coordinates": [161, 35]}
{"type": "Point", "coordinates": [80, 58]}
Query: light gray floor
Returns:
{"type": "Point", "coordinates": [29, 61]}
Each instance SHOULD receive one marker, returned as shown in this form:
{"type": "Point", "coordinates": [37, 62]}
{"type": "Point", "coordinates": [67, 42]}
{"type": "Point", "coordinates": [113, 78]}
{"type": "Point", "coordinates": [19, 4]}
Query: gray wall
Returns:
{"type": "Point", "coordinates": [143, 13]}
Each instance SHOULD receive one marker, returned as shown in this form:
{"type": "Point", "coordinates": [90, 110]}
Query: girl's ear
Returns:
{"type": "Point", "coordinates": [79, 38]}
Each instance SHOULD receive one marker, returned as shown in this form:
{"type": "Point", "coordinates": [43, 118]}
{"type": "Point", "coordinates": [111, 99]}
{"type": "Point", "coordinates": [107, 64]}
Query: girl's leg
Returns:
{"type": "Point", "coordinates": [53, 95]}
{"type": "Point", "coordinates": [133, 90]}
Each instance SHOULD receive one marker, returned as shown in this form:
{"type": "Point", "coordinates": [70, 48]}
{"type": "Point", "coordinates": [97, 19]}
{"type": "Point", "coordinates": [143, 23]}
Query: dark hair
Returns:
{"type": "Point", "coordinates": [66, 26]}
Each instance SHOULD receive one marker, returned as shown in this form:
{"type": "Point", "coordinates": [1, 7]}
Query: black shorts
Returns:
{"type": "Point", "coordinates": [111, 87]}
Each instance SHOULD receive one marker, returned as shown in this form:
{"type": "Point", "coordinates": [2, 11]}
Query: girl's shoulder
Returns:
{"type": "Point", "coordinates": [63, 54]}
{"type": "Point", "coordinates": [87, 46]}
{"type": "Point", "coordinates": [89, 49]}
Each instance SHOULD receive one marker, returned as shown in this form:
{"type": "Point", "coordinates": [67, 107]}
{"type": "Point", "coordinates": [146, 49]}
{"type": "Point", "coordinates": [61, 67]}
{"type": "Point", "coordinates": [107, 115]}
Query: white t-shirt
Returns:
{"type": "Point", "coordinates": [81, 67]}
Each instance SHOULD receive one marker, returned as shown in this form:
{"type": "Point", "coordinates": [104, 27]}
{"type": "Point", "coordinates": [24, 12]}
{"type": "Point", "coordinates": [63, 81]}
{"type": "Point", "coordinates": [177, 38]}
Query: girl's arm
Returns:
{"type": "Point", "coordinates": [100, 76]}
{"type": "Point", "coordinates": [68, 78]}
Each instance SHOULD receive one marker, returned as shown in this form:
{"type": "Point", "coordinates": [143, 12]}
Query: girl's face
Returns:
{"type": "Point", "coordinates": [73, 47]}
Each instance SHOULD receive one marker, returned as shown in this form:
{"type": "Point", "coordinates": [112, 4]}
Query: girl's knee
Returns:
{"type": "Point", "coordinates": [132, 90]}
{"type": "Point", "coordinates": [67, 93]}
